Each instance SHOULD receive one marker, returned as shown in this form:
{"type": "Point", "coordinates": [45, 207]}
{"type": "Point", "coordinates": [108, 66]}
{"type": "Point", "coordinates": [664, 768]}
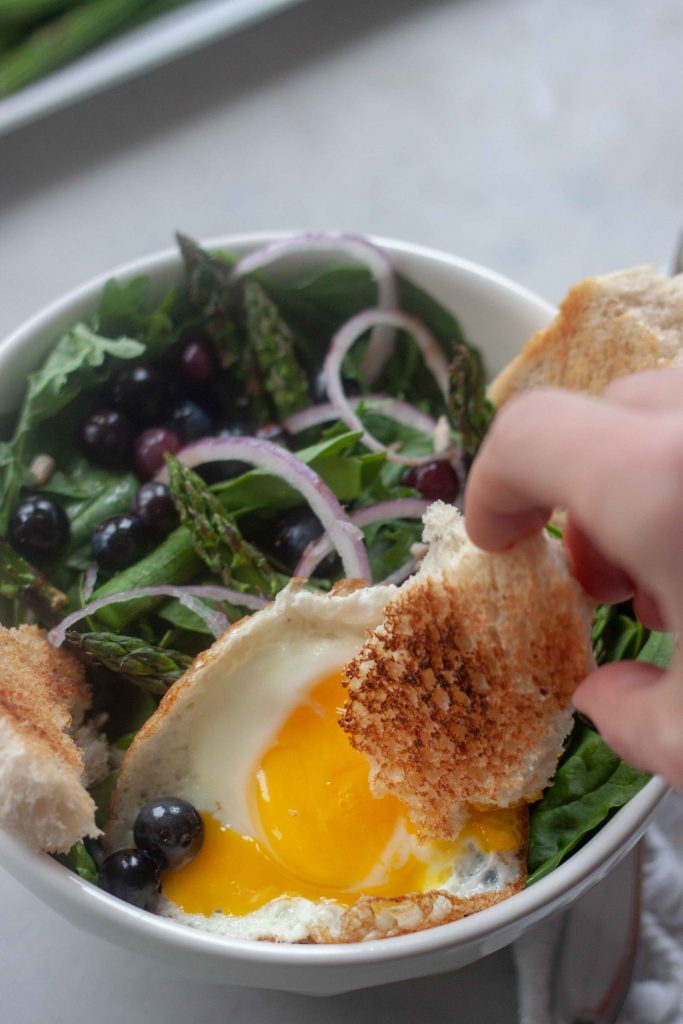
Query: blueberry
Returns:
{"type": "Point", "coordinates": [118, 541]}
{"type": "Point", "coordinates": [38, 528]}
{"type": "Point", "coordinates": [169, 830]}
{"type": "Point", "coordinates": [142, 392]}
{"type": "Point", "coordinates": [190, 422]}
{"type": "Point", "coordinates": [107, 437]}
{"type": "Point", "coordinates": [131, 875]}
{"type": "Point", "coordinates": [294, 532]}
{"type": "Point", "coordinates": [228, 469]}
{"type": "Point", "coordinates": [153, 505]}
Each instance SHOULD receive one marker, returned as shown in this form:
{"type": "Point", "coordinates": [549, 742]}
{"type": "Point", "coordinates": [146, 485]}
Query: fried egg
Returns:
{"type": "Point", "coordinates": [296, 847]}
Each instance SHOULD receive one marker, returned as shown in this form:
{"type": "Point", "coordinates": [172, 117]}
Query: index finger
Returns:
{"type": "Point", "coordinates": [613, 467]}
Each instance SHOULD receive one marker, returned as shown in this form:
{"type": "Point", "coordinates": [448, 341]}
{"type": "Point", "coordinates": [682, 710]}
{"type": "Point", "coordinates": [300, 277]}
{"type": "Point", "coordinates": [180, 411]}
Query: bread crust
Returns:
{"type": "Point", "coordinates": [607, 327]}
{"type": "Point", "coordinates": [43, 697]}
{"type": "Point", "coordinates": [462, 696]}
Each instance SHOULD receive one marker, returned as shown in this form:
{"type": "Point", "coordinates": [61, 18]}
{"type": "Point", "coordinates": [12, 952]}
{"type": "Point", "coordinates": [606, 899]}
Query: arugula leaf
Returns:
{"type": "Point", "coordinates": [658, 649]}
{"type": "Point", "coordinates": [78, 361]}
{"type": "Point", "coordinates": [102, 793]}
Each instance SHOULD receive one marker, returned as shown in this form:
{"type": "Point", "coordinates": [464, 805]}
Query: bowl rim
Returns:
{"type": "Point", "coordinates": [613, 839]}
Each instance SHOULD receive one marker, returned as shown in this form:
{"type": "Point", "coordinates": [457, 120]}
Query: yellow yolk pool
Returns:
{"type": "Point", "coordinates": [318, 831]}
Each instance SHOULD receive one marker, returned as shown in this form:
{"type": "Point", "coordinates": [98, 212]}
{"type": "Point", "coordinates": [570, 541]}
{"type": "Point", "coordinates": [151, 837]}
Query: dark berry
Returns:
{"type": "Point", "coordinates": [190, 422]}
{"type": "Point", "coordinates": [118, 541]}
{"type": "Point", "coordinates": [294, 532]}
{"type": "Point", "coordinates": [228, 469]}
{"type": "Point", "coordinates": [131, 875]}
{"type": "Point", "coordinates": [435, 480]}
{"type": "Point", "coordinates": [107, 437]}
{"type": "Point", "coordinates": [143, 392]}
{"type": "Point", "coordinates": [38, 528]}
{"type": "Point", "coordinates": [153, 505]}
{"type": "Point", "coordinates": [150, 448]}
{"type": "Point", "coordinates": [276, 433]}
{"type": "Point", "coordinates": [198, 362]}
{"type": "Point", "coordinates": [169, 830]}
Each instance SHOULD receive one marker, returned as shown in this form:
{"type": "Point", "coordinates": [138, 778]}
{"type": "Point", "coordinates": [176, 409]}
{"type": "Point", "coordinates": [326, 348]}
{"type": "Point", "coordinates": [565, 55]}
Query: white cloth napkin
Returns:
{"type": "Point", "coordinates": [656, 994]}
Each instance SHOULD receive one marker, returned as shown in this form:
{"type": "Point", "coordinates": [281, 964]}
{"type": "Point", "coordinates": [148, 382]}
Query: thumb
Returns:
{"type": "Point", "coordinates": [628, 702]}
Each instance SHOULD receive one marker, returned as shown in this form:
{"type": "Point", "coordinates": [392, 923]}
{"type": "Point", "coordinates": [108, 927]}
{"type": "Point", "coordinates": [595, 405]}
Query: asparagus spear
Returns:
{"type": "Point", "coordinates": [272, 341]}
{"type": "Point", "coordinates": [215, 534]}
{"type": "Point", "coordinates": [22, 12]}
{"type": "Point", "coordinates": [469, 410]}
{"type": "Point", "coordinates": [62, 39]}
{"type": "Point", "coordinates": [19, 580]}
{"type": "Point", "coordinates": [151, 668]}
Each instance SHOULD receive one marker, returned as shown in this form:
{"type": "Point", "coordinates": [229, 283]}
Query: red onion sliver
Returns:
{"type": "Point", "coordinates": [393, 408]}
{"type": "Point", "coordinates": [90, 580]}
{"type": "Point", "coordinates": [341, 343]}
{"type": "Point", "coordinates": [402, 573]}
{"type": "Point", "coordinates": [188, 596]}
{"type": "Point", "coordinates": [345, 537]}
{"type": "Point", "coordinates": [357, 248]}
{"type": "Point", "coordinates": [400, 508]}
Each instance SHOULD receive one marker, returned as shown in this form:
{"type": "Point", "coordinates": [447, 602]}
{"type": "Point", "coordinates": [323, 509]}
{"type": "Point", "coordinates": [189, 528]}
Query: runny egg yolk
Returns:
{"type": "Point", "coordinates": [319, 833]}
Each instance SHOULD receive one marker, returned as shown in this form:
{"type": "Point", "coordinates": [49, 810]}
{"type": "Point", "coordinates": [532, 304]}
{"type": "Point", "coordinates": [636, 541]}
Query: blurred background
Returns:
{"type": "Point", "coordinates": [541, 138]}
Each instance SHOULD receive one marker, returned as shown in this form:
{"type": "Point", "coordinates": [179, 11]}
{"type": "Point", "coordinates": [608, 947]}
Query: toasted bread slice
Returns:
{"type": "Point", "coordinates": [43, 697]}
{"type": "Point", "coordinates": [607, 327]}
{"type": "Point", "coordinates": [462, 696]}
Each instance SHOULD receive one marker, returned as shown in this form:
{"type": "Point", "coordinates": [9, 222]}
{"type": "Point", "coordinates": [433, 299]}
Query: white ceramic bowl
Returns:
{"type": "Point", "coordinates": [498, 316]}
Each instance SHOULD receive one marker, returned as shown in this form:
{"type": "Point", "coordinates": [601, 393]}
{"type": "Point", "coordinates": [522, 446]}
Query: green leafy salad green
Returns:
{"type": "Point", "coordinates": [153, 373]}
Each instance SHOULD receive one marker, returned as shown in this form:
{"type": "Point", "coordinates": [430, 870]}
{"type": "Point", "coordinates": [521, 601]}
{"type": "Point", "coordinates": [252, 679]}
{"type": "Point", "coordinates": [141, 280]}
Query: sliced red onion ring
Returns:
{"type": "Point", "coordinates": [344, 536]}
{"type": "Point", "coordinates": [188, 596]}
{"type": "Point", "coordinates": [341, 343]}
{"type": "Point", "coordinates": [401, 574]}
{"type": "Point", "coordinates": [400, 508]}
{"type": "Point", "coordinates": [393, 408]}
{"type": "Point", "coordinates": [90, 580]}
{"type": "Point", "coordinates": [357, 248]}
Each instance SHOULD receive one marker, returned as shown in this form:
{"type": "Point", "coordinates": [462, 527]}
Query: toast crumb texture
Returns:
{"type": "Point", "coordinates": [607, 327]}
{"type": "Point", "coordinates": [462, 696]}
{"type": "Point", "coordinates": [43, 697]}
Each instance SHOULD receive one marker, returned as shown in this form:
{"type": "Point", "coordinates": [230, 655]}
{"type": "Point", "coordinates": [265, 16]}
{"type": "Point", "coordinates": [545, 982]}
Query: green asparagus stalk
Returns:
{"type": "Point", "coordinates": [62, 39]}
{"type": "Point", "coordinates": [469, 410]}
{"type": "Point", "coordinates": [23, 12]}
{"type": "Point", "coordinates": [272, 341]}
{"type": "Point", "coordinates": [151, 668]}
{"type": "Point", "coordinates": [216, 536]}
{"type": "Point", "coordinates": [19, 580]}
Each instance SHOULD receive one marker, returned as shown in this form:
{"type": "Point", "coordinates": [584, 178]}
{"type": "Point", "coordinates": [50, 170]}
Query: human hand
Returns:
{"type": "Point", "coordinates": [615, 464]}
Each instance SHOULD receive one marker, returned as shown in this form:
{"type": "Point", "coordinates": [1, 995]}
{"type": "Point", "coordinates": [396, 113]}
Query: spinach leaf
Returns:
{"type": "Point", "coordinates": [591, 782]}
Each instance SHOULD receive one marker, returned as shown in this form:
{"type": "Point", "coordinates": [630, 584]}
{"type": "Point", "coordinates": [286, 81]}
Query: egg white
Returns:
{"type": "Point", "coordinates": [206, 739]}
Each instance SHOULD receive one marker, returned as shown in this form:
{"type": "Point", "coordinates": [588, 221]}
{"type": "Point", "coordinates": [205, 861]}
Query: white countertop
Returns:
{"type": "Point", "coordinates": [542, 138]}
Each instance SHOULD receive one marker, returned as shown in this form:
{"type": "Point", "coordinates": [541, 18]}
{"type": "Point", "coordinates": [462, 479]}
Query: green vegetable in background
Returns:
{"type": "Point", "coordinates": [272, 341]}
{"type": "Point", "coordinates": [78, 361]}
{"type": "Point", "coordinates": [469, 410]}
{"type": "Point", "coordinates": [19, 581]}
{"type": "Point", "coordinates": [61, 39]}
{"type": "Point", "coordinates": [215, 535]}
{"type": "Point", "coordinates": [79, 861]}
